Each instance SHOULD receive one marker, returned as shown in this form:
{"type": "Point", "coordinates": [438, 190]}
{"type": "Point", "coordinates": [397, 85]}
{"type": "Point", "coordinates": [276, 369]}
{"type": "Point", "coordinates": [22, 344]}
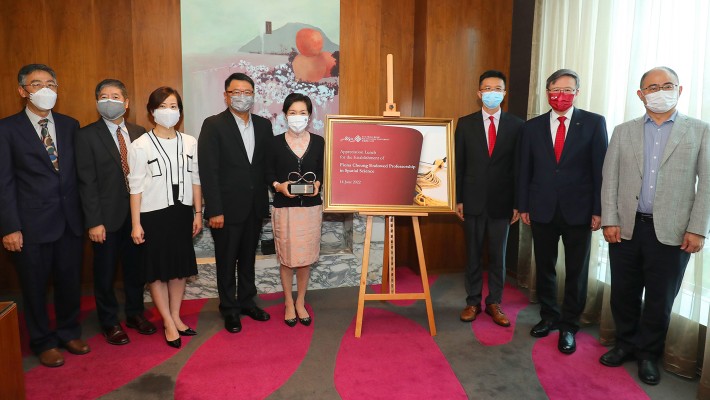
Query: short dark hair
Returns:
{"type": "Point", "coordinates": [296, 97]}
{"type": "Point", "coordinates": [667, 69]}
{"type": "Point", "coordinates": [238, 76]}
{"type": "Point", "coordinates": [113, 83]}
{"type": "Point", "coordinates": [30, 68]}
{"type": "Point", "coordinates": [559, 74]}
{"type": "Point", "coordinates": [159, 95]}
{"type": "Point", "coordinates": [491, 73]}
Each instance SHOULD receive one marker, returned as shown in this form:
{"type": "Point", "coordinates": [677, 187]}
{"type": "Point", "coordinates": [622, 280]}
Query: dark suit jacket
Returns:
{"type": "Point", "coordinates": [483, 182]}
{"type": "Point", "coordinates": [34, 198]}
{"type": "Point", "coordinates": [575, 183]}
{"type": "Point", "coordinates": [231, 186]}
{"type": "Point", "coordinates": [102, 188]}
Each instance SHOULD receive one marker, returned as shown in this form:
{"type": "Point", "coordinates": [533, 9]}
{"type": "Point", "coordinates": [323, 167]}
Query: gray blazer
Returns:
{"type": "Point", "coordinates": [679, 206]}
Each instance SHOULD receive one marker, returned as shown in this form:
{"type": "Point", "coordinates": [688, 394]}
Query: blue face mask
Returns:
{"type": "Point", "coordinates": [492, 99]}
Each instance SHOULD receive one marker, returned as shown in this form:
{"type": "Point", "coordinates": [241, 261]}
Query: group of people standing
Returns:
{"type": "Point", "coordinates": [139, 193]}
{"type": "Point", "coordinates": [648, 189]}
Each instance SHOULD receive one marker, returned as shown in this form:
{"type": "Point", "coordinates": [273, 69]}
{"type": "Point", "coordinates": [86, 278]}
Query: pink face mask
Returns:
{"type": "Point", "coordinates": [560, 101]}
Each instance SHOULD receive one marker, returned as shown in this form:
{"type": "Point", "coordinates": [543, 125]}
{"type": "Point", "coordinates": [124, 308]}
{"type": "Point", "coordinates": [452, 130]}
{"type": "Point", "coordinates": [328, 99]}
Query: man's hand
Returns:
{"type": "Point", "coordinates": [216, 222]}
{"type": "Point", "coordinates": [97, 234]}
{"type": "Point", "coordinates": [525, 217]}
{"type": "Point", "coordinates": [692, 243]}
{"type": "Point", "coordinates": [459, 210]}
{"type": "Point", "coordinates": [612, 234]}
{"type": "Point", "coordinates": [596, 222]}
{"type": "Point", "coordinates": [516, 217]}
{"type": "Point", "coordinates": [13, 241]}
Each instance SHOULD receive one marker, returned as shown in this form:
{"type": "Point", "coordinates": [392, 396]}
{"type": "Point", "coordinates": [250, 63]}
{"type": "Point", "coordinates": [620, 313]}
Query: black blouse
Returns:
{"type": "Point", "coordinates": [282, 161]}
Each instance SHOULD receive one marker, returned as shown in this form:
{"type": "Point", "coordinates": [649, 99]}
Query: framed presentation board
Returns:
{"type": "Point", "coordinates": [379, 164]}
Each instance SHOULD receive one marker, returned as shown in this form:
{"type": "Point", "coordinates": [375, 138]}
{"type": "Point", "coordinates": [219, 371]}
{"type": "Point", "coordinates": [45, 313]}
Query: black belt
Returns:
{"type": "Point", "coordinates": [644, 217]}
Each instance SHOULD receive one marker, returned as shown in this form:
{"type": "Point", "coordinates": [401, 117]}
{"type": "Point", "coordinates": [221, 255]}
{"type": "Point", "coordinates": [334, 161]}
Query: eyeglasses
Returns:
{"type": "Point", "coordinates": [37, 86]}
{"type": "Point", "coordinates": [490, 89]}
{"type": "Point", "coordinates": [655, 88]}
{"type": "Point", "coordinates": [295, 177]}
{"type": "Point", "coordinates": [241, 92]}
{"type": "Point", "coordinates": [562, 90]}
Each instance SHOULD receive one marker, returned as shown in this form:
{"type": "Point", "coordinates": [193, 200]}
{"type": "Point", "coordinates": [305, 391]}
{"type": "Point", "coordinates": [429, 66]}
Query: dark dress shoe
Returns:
{"type": "Point", "coordinates": [305, 321]}
{"type": "Point", "coordinates": [291, 322]}
{"type": "Point", "coordinates": [177, 343]}
{"type": "Point", "coordinates": [542, 329]}
{"type": "Point", "coordinates": [77, 346]}
{"type": "Point", "coordinates": [232, 323]}
{"type": "Point", "coordinates": [188, 332]}
{"type": "Point", "coordinates": [51, 358]}
{"type": "Point", "coordinates": [256, 313]}
{"type": "Point", "coordinates": [116, 335]}
{"type": "Point", "coordinates": [648, 372]}
{"type": "Point", "coordinates": [139, 323]}
{"type": "Point", "coordinates": [616, 357]}
{"type": "Point", "coordinates": [566, 343]}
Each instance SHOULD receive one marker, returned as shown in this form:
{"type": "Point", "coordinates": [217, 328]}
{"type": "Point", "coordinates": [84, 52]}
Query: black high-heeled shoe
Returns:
{"type": "Point", "coordinates": [177, 343]}
{"type": "Point", "coordinates": [291, 322]}
{"type": "Point", "coordinates": [188, 332]}
{"type": "Point", "coordinates": [304, 321]}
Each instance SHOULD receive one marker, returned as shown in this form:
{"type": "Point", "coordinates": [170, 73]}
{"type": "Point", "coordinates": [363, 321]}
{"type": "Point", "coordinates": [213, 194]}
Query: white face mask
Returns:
{"type": "Point", "coordinates": [44, 99]}
{"type": "Point", "coordinates": [297, 123]}
{"type": "Point", "coordinates": [166, 117]}
{"type": "Point", "coordinates": [662, 100]}
{"type": "Point", "coordinates": [111, 109]}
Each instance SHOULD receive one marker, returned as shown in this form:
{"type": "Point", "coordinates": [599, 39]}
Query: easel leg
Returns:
{"type": "Point", "coordinates": [385, 262]}
{"type": "Point", "coordinates": [425, 279]}
{"type": "Point", "coordinates": [363, 277]}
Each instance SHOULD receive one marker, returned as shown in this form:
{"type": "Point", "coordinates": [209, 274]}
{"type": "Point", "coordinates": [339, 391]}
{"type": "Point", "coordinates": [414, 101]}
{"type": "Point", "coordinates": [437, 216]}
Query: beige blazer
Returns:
{"type": "Point", "coordinates": [682, 200]}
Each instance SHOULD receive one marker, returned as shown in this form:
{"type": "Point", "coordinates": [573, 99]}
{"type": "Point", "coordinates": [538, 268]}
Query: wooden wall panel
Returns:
{"type": "Point", "coordinates": [360, 72]}
{"type": "Point", "coordinates": [157, 52]}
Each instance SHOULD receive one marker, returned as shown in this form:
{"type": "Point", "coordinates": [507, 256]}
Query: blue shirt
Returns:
{"type": "Point", "coordinates": [655, 138]}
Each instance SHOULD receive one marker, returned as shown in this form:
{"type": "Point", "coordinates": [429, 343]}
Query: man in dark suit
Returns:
{"type": "Point", "coordinates": [232, 154]}
{"type": "Point", "coordinates": [40, 215]}
{"type": "Point", "coordinates": [101, 155]}
{"type": "Point", "coordinates": [561, 158]}
{"type": "Point", "coordinates": [486, 166]}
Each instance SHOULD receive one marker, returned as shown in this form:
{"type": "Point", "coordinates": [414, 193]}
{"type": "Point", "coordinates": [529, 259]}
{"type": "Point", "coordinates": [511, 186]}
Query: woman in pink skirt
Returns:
{"type": "Point", "coordinates": [295, 171]}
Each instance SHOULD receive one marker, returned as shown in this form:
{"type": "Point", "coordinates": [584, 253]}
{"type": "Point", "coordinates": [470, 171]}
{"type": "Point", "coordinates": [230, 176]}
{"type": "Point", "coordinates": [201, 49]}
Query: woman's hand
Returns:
{"type": "Point", "coordinates": [196, 224]}
{"type": "Point", "coordinates": [316, 184]}
{"type": "Point", "coordinates": [137, 234]}
{"type": "Point", "coordinates": [282, 188]}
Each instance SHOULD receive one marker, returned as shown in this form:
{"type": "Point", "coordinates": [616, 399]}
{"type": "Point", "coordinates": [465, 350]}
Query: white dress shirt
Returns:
{"type": "Point", "coordinates": [554, 122]}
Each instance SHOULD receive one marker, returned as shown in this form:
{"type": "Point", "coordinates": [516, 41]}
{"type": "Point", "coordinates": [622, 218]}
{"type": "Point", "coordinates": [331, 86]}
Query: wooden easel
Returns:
{"type": "Point", "coordinates": [388, 291]}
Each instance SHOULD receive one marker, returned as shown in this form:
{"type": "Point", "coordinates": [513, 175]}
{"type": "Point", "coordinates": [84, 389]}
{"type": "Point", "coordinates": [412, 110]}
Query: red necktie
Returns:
{"type": "Point", "coordinates": [491, 136]}
{"type": "Point", "coordinates": [124, 156]}
{"type": "Point", "coordinates": [560, 138]}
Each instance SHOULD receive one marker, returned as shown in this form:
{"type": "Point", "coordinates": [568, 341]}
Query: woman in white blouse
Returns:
{"type": "Point", "coordinates": [165, 186]}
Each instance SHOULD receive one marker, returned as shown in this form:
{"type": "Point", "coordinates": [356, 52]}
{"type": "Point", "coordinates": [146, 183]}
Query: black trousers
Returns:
{"type": "Point", "coordinates": [475, 228]}
{"type": "Point", "coordinates": [60, 263]}
{"type": "Point", "coordinates": [576, 240]}
{"type": "Point", "coordinates": [117, 246]}
{"type": "Point", "coordinates": [235, 251]}
{"type": "Point", "coordinates": [644, 263]}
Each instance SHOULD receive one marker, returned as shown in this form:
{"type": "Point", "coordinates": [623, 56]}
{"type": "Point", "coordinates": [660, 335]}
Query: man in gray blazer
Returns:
{"type": "Point", "coordinates": [655, 213]}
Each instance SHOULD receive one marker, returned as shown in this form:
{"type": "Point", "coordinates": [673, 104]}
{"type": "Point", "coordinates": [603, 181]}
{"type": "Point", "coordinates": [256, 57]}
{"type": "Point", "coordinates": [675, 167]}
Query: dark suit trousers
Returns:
{"type": "Point", "coordinates": [576, 240]}
{"type": "Point", "coordinates": [60, 262]}
{"type": "Point", "coordinates": [235, 251]}
{"type": "Point", "coordinates": [644, 262]}
{"type": "Point", "coordinates": [118, 245]}
{"type": "Point", "coordinates": [475, 227]}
